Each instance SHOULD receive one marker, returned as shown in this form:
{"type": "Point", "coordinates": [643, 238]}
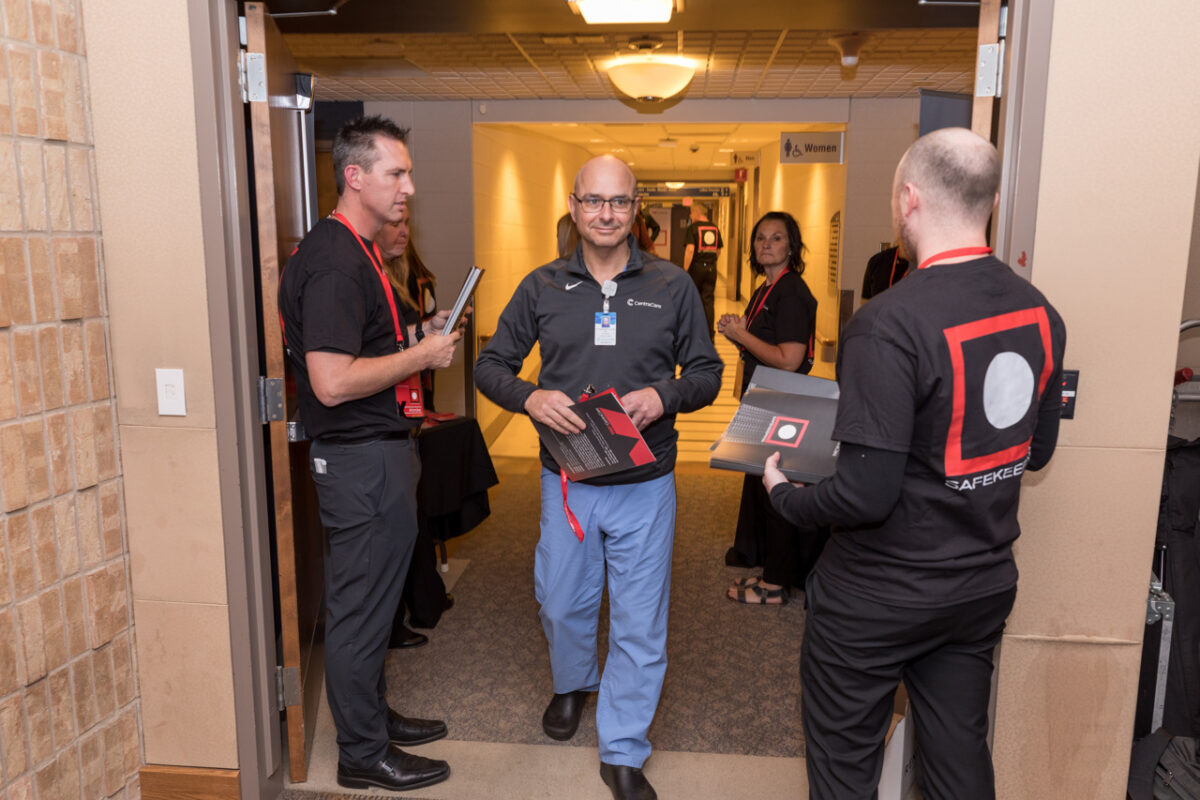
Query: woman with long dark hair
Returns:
{"type": "Point", "coordinates": [777, 330]}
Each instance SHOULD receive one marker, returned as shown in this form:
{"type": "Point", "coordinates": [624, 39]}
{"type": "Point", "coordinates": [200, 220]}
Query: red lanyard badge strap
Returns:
{"type": "Point", "coordinates": [408, 391]}
{"type": "Point", "coordinates": [757, 305]}
{"type": "Point", "coordinates": [961, 251]}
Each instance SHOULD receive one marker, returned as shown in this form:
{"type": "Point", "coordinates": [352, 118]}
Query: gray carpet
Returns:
{"type": "Point", "coordinates": [732, 682]}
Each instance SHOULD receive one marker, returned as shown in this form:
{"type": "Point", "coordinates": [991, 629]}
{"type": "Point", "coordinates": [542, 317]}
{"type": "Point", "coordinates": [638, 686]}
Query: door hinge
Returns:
{"type": "Point", "coordinates": [270, 400]}
{"type": "Point", "coordinates": [252, 76]}
{"type": "Point", "coordinates": [287, 687]}
{"type": "Point", "coordinates": [989, 70]}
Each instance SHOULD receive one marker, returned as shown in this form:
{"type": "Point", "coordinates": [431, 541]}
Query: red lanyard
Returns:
{"type": "Point", "coordinates": [408, 391]}
{"type": "Point", "coordinates": [895, 261]}
{"type": "Point", "coordinates": [962, 251]}
{"type": "Point", "coordinates": [762, 301]}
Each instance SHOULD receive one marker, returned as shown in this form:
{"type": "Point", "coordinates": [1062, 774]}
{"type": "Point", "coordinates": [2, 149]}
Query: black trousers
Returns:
{"type": "Point", "coordinates": [368, 499]}
{"type": "Point", "coordinates": [704, 275]}
{"type": "Point", "coordinates": [854, 655]}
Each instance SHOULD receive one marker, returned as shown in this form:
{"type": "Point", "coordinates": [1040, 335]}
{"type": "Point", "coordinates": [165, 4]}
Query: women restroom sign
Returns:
{"type": "Point", "coordinates": [811, 148]}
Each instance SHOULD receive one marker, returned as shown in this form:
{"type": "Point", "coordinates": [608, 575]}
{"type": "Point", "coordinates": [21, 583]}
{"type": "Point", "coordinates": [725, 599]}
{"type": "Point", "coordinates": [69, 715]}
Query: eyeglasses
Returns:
{"type": "Point", "coordinates": [593, 203]}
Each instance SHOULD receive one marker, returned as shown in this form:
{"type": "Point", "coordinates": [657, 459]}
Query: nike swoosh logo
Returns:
{"type": "Point", "coordinates": [571, 286]}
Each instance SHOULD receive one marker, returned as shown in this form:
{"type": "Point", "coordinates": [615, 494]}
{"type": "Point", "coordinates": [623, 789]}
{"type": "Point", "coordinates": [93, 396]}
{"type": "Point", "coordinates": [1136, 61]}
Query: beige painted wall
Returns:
{"type": "Point", "coordinates": [879, 132]}
{"type": "Point", "coordinates": [521, 186]}
{"type": "Point", "coordinates": [440, 142]}
{"type": "Point", "coordinates": [1069, 663]}
{"type": "Point", "coordinates": [146, 164]}
{"type": "Point", "coordinates": [1189, 342]}
{"type": "Point", "coordinates": [70, 721]}
{"type": "Point", "coordinates": [812, 193]}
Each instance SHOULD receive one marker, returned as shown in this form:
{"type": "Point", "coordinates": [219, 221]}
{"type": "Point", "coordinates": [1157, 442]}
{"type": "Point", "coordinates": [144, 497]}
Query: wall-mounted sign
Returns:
{"type": "Point", "coordinates": [811, 148]}
{"type": "Point", "coordinates": [744, 158]}
{"type": "Point", "coordinates": [739, 174]}
{"type": "Point", "coordinates": [686, 191]}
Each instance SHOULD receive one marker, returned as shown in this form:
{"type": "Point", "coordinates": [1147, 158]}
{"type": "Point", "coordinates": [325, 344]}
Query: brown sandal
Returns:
{"type": "Point", "coordinates": [762, 595]}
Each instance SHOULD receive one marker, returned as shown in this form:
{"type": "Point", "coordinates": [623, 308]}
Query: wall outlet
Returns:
{"type": "Point", "coordinates": [170, 393]}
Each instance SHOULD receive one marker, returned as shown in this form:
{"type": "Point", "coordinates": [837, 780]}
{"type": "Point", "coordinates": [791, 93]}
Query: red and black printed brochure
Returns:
{"type": "Point", "coordinates": [610, 442]}
{"type": "Point", "coordinates": [783, 412]}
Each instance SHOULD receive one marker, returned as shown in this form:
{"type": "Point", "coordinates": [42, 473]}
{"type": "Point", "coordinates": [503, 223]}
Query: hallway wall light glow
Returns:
{"type": "Point", "coordinates": [620, 12]}
{"type": "Point", "coordinates": [651, 79]}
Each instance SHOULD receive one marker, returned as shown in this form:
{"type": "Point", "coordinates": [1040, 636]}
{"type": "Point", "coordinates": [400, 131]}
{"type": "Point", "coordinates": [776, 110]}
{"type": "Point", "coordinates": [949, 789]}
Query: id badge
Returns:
{"type": "Point", "coordinates": [606, 328]}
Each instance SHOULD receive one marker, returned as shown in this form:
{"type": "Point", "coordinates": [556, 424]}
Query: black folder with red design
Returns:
{"type": "Point", "coordinates": [783, 412]}
{"type": "Point", "coordinates": [609, 443]}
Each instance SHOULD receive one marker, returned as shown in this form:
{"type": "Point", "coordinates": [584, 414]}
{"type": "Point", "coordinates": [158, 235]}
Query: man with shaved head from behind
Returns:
{"type": "Point", "coordinates": [950, 391]}
{"type": "Point", "coordinates": [606, 316]}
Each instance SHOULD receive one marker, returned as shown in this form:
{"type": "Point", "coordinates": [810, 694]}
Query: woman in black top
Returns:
{"type": "Point", "coordinates": [777, 330]}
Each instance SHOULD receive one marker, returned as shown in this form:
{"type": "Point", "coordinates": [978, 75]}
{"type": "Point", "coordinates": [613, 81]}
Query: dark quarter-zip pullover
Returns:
{"type": "Point", "coordinates": [660, 324]}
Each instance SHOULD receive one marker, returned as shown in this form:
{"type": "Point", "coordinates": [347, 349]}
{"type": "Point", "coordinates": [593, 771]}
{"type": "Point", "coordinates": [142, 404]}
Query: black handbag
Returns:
{"type": "Point", "coordinates": [1164, 767]}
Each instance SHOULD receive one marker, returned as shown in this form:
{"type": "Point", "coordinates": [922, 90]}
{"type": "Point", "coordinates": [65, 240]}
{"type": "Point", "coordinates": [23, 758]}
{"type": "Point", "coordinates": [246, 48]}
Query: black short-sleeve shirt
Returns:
{"type": "Point", "coordinates": [951, 366]}
{"type": "Point", "coordinates": [789, 314]}
{"type": "Point", "coordinates": [884, 270]}
{"type": "Point", "coordinates": [705, 237]}
{"type": "Point", "coordinates": [331, 299]}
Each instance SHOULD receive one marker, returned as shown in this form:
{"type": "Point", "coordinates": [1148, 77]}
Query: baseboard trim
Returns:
{"type": "Point", "coordinates": [161, 782]}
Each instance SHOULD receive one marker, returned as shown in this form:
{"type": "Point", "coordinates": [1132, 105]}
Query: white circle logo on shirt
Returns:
{"type": "Point", "coordinates": [787, 432]}
{"type": "Point", "coordinates": [1007, 389]}
{"type": "Point", "coordinates": [709, 237]}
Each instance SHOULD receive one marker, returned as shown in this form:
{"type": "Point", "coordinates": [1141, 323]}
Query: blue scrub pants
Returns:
{"type": "Point", "coordinates": [630, 529]}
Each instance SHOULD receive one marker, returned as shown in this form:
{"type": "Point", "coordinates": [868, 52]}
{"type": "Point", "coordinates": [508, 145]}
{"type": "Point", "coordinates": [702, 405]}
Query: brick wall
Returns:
{"type": "Point", "coordinates": [69, 715]}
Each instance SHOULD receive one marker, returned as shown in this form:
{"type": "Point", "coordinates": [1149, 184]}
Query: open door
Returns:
{"type": "Point", "coordinates": [281, 199]}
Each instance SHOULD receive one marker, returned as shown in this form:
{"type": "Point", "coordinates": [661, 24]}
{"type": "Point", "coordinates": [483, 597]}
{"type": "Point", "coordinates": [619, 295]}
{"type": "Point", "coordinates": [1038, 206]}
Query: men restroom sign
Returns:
{"type": "Point", "coordinates": [811, 148]}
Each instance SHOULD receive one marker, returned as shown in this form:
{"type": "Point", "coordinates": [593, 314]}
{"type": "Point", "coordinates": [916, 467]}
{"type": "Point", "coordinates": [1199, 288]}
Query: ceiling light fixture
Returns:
{"type": "Point", "coordinates": [651, 79]}
{"type": "Point", "coordinates": [647, 77]}
{"type": "Point", "coordinates": [673, 185]}
{"type": "Point", "coordinates": [623, 12]}
{"type": "Point", "coordinates": [848, 47]}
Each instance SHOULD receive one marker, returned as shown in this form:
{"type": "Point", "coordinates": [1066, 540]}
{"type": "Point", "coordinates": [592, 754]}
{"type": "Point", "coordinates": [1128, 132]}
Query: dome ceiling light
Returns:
{"type": "Point", "coordinates": [647, 77]}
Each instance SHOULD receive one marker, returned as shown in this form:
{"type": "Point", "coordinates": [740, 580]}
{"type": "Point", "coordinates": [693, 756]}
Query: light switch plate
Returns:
{"type": "Point", "coordinates": [170, 393]}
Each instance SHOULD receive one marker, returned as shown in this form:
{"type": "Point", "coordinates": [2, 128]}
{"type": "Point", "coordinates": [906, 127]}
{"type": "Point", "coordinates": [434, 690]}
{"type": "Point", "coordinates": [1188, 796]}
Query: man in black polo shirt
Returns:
{"type": "Point", "coordinates": [702, 244]}
{"type": "Point", "coordinates": [950, 390]}
{"type": "Point", "coordinates": [357, 369]}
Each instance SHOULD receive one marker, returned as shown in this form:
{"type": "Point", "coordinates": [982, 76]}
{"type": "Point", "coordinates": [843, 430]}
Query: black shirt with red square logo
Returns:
{"type": "Point", "coordinates": [958, 366]}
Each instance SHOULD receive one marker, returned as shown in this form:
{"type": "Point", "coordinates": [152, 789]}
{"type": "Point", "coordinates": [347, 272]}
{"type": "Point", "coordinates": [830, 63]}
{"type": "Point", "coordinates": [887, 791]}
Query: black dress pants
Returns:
{"type": "Point", "coordinates": [854, 655]}
{"type": "Point", "coordinates": [704, 275]}
{"type": "Point", "coordinates": [368, 498]}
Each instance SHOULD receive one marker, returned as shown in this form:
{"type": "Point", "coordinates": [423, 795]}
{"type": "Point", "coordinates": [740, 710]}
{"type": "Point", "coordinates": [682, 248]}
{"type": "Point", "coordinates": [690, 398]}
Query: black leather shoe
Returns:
{"type": "Point", "coordinates": [627, 783]}
{"type": "Point", "coordinates": [562, 715]}
{"type": "Point", "coordinates": [396, 771]}
{"type": "Point", "coordinates": [407, 731]}
{"type": "Point", "coordinates": [449, 602]}
{"type": "Point", "coordinates": [406, 637]}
